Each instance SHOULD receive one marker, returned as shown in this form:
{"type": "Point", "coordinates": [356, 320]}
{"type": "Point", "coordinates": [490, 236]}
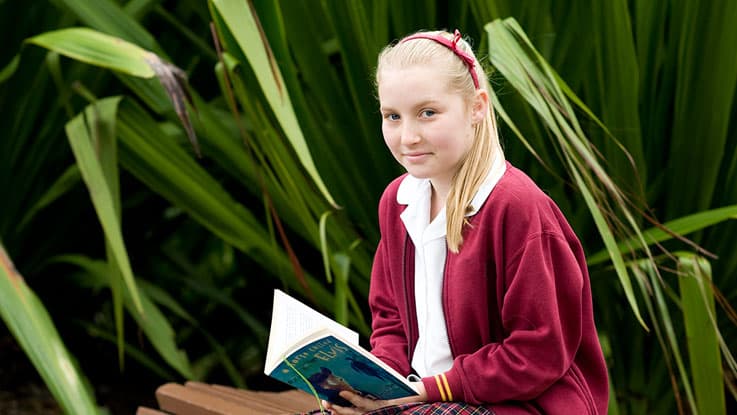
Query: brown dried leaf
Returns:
{"type": "Point", "coordinates": [174, 81]}
{"type": "Point", "coordinates": [7, 264]}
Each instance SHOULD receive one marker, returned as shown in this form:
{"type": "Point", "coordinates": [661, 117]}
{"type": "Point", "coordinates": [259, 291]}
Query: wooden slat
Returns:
{"type": "Point", "coordinates": [238, 399]}
{"type": "Point", "coordinates": [176, 398]}
{"type": "Point", "coordinates": [196, 398]}
{"type": "Point", "coordinates": [290, 401]}
{"type": "Point", "coordinates": [142, 410]}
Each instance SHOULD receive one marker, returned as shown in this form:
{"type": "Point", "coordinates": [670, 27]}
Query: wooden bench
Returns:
{"type": "Point", "coordinates": [196, 398]}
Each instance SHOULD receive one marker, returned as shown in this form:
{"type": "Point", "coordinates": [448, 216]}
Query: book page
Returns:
{"type": "Point", "coordinates": [292, 320]}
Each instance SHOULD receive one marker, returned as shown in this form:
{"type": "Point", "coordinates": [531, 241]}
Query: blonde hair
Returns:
{"type": "Point", "coordinates": [477, 162]}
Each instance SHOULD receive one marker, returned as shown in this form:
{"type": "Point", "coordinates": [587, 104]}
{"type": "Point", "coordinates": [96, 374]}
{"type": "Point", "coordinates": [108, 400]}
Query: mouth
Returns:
{"type": "Point", "coordinates": [416, 156]}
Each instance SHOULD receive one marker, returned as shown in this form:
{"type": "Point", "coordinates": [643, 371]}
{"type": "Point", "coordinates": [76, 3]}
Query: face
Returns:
{"type": "Point", "coordinates": [427, 127]}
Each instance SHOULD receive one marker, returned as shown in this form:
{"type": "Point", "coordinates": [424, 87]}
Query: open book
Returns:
{"type": "Point", "coordinates": [310, 351]}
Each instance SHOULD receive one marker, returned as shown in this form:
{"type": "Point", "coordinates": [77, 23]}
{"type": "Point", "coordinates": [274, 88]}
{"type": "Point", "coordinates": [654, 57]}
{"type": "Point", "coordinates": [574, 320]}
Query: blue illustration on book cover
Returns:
{"type": "Point", "coordinates": [331, 366]}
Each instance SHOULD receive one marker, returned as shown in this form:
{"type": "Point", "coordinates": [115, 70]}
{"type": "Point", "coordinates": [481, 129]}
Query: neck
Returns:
{"type": "Point", "coordinates": [438, 198]}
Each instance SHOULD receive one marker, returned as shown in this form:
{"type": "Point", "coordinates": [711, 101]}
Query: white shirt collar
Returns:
{"type": "Point", "coordinates": [416, 217]}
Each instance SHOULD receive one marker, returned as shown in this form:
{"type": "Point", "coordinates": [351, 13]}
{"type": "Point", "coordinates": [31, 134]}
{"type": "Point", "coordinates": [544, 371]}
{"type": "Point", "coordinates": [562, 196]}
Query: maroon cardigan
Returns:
{"type": "Point", "coordinates": [517, 303]}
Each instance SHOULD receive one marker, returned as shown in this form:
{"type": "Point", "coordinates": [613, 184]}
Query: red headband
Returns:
{"type": "Point", "coordinates": [452, 45]}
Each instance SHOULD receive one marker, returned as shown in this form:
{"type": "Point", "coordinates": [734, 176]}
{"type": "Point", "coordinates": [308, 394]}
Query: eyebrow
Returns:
{"type": "Point", "coordinates": [421, 104]}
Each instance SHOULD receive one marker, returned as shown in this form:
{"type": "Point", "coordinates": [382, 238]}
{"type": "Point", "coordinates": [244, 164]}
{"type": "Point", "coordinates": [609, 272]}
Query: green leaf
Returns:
{"type": "Point", "coordinates": [610, 244]}
{"type": "Point", "coordinates": [325, 249]}
{"type": "Point", "coordinates": [31, 325]}
{"type": "Point", "coordinates": [681, 226]}
{"type": "Point", "coordinates": [342, 263]}
{"type": "Point", "coordinates": [99, 49]}
{"type": "Point", "coordinates": [82, 133]}
{"type": "Point", "coordinates": [704, 93]}
{"type": "Point", "coordinates": [615, 66]}
{"type": "Point", "coordinates": [9, 69]}
{"type": "Point", "coordinates": [699, 316]}
{"type": "Point", "coordinates": [239, 19]}
{"type": "Point", "coordinates": [647, 278]}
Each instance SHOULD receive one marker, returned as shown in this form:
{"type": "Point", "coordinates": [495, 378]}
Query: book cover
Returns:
{"type": "Point", "coordinates": [310, 351]}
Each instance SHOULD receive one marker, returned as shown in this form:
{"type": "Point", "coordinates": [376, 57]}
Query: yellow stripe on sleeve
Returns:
{"type": "Point", "coordinates": [447, 387]}
{"type": "Point", "coordinates": [440, 388]}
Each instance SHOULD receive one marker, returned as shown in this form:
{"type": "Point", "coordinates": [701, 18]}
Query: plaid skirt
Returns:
{"type": "Point", "coordinates": [435, 408]}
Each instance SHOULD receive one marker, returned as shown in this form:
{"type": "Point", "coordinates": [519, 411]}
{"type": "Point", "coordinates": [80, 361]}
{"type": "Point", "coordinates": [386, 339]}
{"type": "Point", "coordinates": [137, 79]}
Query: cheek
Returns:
{"type": "Point", "coordinates": [390, 138]}
{"type": "Point", "coordinates": [454, 142]}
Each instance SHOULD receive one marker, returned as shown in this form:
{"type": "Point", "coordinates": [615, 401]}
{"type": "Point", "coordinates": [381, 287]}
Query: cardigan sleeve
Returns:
{"type": "Point", "coordinates": [388, 339]}
{"type": "Point", "coordinates": [541, 316]}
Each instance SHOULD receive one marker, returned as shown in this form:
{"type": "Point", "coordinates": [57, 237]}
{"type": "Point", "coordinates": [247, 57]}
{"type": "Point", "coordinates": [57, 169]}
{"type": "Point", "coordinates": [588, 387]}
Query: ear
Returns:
{"type": "Point", "coordinates": [479, 106]}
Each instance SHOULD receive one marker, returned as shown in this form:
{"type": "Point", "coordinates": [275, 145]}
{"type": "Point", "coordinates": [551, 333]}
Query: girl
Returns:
{"type": "Point", "coordinates": [479, 287]}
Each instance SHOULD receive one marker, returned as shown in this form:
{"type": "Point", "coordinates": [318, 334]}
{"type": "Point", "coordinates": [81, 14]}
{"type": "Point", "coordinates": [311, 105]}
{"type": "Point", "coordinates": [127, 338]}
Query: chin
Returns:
{"type": "Point", "coordinates": [418, 174]}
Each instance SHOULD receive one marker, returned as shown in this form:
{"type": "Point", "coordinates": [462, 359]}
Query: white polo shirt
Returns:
{"type": "Point", "coordinates": [432, 354]}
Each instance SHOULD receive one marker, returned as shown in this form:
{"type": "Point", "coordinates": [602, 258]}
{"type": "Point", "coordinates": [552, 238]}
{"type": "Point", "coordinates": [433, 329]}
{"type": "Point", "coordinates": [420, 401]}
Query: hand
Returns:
{"type": "Point", "coordinates": [362, 405]}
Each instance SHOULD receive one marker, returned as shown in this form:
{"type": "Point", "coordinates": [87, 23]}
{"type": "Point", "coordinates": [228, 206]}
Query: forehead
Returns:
{"type": "Point", "coordinates": [417, 82]}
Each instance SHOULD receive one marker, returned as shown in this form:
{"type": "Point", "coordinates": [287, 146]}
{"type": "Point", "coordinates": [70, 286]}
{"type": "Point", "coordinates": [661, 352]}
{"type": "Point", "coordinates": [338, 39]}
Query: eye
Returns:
{"type": "Point", "coordinates": [427, 113]}
{"type": "Point", "coordinates": [391, 117]}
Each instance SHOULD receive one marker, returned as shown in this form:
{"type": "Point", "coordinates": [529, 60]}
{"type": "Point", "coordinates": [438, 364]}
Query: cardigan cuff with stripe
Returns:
{"type": "Point", "coordinates": [442, 388]}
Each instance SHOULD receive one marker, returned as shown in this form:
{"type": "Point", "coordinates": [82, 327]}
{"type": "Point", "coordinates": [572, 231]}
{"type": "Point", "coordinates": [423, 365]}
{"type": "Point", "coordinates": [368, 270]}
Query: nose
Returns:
{"type": "Point", "coordinates": [410, 133]}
